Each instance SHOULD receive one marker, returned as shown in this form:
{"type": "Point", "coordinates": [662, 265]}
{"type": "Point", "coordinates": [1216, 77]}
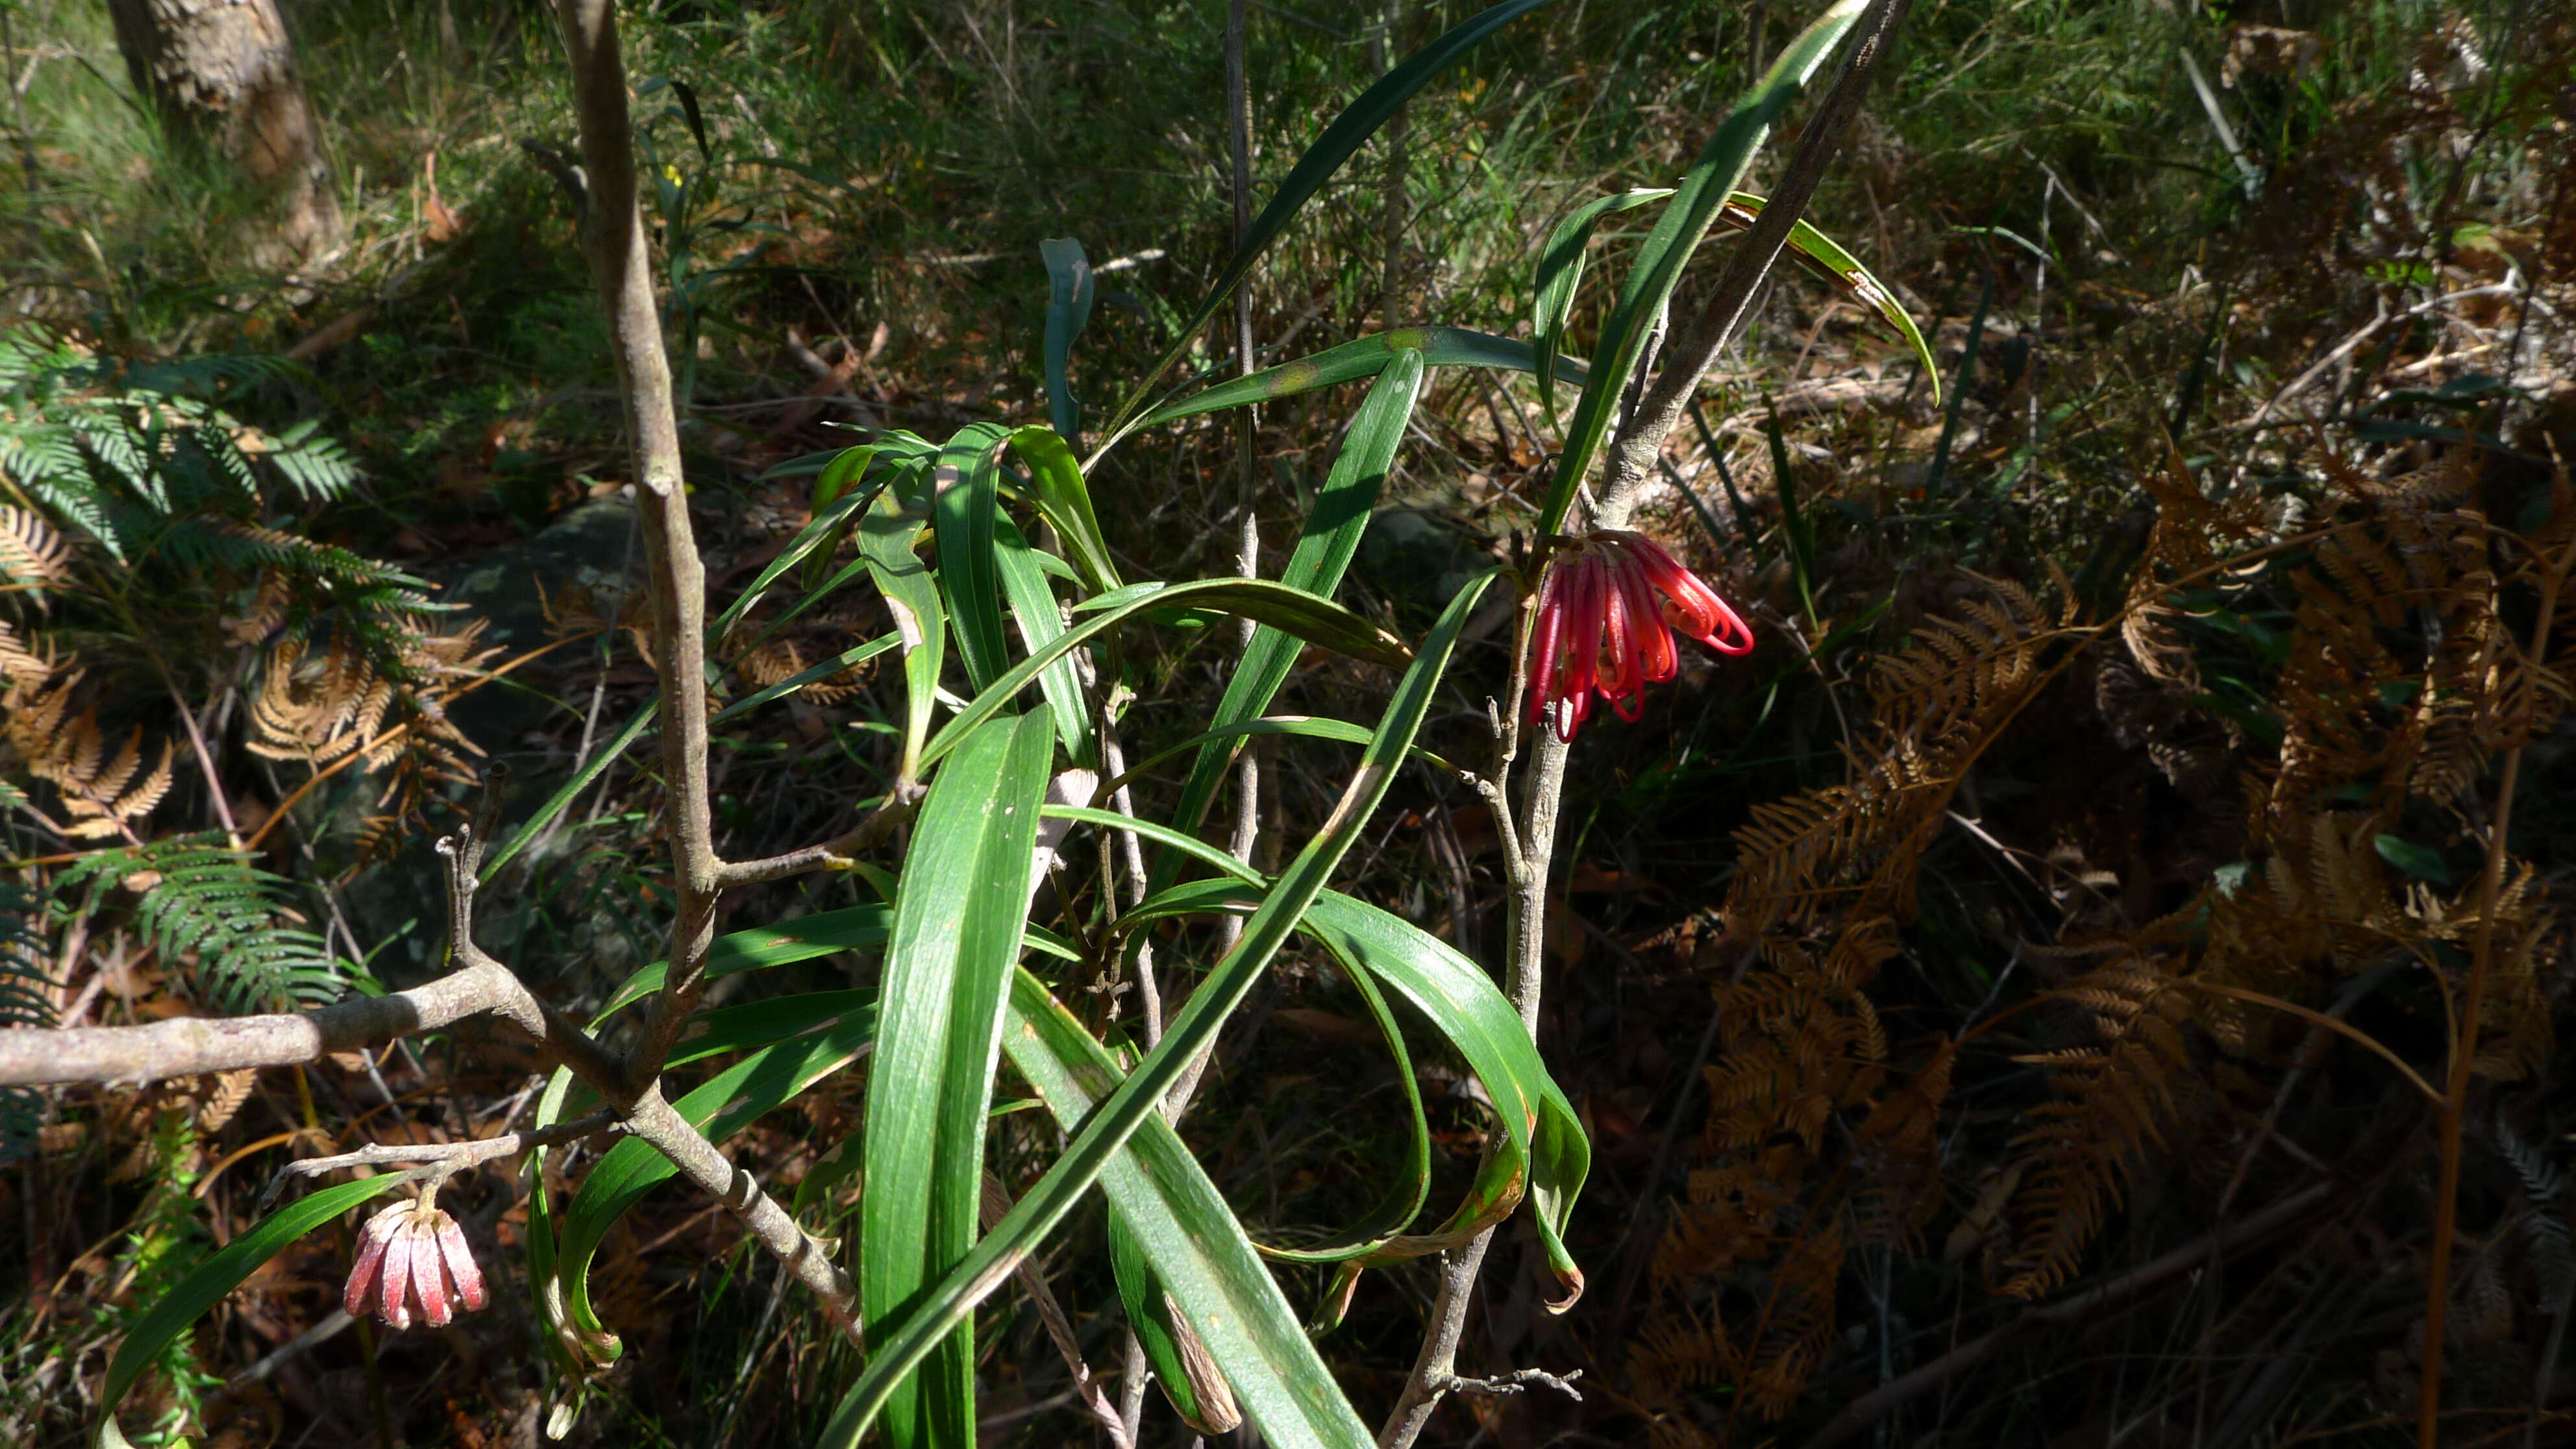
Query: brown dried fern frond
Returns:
{"type": "Point", "coordinates": [32, 552]}
{"type": "Point", "coordinates": [1848, 851]}
{"type": "Point", "coordinates": [2116, 1094]}
{"type": "Point", "coordinates": [20, 664]}
{"type": "Point", "coordinates": [103, 794]}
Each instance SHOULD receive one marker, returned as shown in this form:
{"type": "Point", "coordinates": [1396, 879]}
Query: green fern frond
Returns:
{"type": "Point", "coordinates": [203, 898]}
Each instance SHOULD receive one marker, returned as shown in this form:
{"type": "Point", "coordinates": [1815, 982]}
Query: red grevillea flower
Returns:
{"type": "Point", "coordinates": [1603, 629]}
{"type": "Point", "coordinates": [418, 1254]}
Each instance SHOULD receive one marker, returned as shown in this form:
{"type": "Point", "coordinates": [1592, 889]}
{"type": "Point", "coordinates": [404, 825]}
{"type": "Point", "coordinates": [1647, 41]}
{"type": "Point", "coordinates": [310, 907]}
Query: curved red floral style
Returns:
{"type": "Point", "coordinates": [412, 1253]}
{"type": "Point", "coordinates": [1603, 629]}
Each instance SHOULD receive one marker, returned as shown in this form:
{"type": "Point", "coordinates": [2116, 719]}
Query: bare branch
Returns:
{"type": "Point", "coordinates": [834, 854]}
{"type": "Point", "coordinates": [702, 1163]}
{"type": "Point", "coordinates": [184, 1045]}
{"type": "Point", "coordinates": [449, 1157]}
{"type": "Point", "coordinates": [621, 266]}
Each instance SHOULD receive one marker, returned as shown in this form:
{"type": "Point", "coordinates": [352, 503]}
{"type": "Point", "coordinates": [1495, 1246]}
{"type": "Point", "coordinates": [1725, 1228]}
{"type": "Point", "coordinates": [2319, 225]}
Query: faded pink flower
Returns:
{"type": "Point", "coordinates": [411, 1251]}
{"type": "Point", "coordinates": [1607, 609]}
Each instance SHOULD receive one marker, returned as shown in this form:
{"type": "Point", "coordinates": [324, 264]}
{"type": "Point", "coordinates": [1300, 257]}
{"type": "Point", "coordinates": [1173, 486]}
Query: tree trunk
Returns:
{"type": "Point", "coordinates": [222, 73]}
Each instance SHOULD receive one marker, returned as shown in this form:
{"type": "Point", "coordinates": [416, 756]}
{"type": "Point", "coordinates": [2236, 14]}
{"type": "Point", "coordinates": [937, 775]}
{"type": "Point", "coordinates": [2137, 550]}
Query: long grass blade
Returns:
{"type": "Point", "coordinates": [1317, 621]}
{"type": "Point", "coordinates": [967, 503]}
{"type": "Point", "coordinates": [1560, 276]}
{"type": "Point", "coordinates": [1069, 288]}
{"type": "Point", "coordinates": [207, 1284]}
{"type": "Point", "coordinates": [888, 533]}
{"type": "Point", "coordinates": [1190, 1239]}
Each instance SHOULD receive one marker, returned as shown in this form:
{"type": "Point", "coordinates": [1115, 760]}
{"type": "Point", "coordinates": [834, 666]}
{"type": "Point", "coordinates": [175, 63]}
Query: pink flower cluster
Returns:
{"type": "Point", "coordinates": [418, 1253]}
{"type": "Point", "coordinates": [1603, 629]}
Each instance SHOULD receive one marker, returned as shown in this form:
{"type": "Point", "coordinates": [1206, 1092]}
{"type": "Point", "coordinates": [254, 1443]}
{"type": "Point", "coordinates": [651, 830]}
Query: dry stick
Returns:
{"type": "Point", "coordinates": [1871, 1407]}
{"type": "Point", "coordinates": [1247, 769]}
{"type": "Point", "coordinates": [1640, 441]}
{"type": "Point", "coordinates": [2464, 1056]}
{"type": "Point", "coordinates": [622, 269]}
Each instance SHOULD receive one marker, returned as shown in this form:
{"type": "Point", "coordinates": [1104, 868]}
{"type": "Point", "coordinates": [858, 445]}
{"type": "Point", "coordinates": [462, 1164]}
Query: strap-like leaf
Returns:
{"type": "Point", "coordinates": [839, 496]}
{"type": "Point", "coordinates": [968, 487]}
{"type": "Point", "coordinates": [720, 1107]}
{"type": "Point", "coordinates": [1317, 621]}
{"type": "Point", "coordinates": [801, 939]}
{"type": "Point", "coordinates": [1344, 137]}
{"type": "Point", "coordinates": [1068, 309]}
{"type": "Point", "coordinates": [939, 1311]}
{"type": "Point", "coordinates": [1677, 234]}
{"type": "Point", "coordinates": [1033, 608]}
{"type": "Point", "coordinates": [1545, 1152]}
{"type": "Point", "coordinates": [208, 1282]}
{"type": "Point", "coordinates": [1323, 553]}
{"type": "Point", "coordinates": [887, 533]}
{"type": "Point", "coordinates": [1367, 357]}
{"type": "Point", "coordinates": [1302, 726]}
{"type": "Point", "coordinates": [849, 658]}
{"type": "Point", "coordinates": [1055, 482]}
{"type": "Point", "coordinates": [1560, 276]}
{"type": "Point", "coordinates": [1181, 1226]}
{"type": "Point", "coordinates": [957, 920]}
{"type": "Point", "coordinates": [570, 790]}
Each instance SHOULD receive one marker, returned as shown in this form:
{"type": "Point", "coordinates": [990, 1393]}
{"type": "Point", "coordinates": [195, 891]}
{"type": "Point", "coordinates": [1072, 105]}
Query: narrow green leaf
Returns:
{"type": "Point", "coordinates": [1367, 357]}
{"type": "Point", "coordinates": [1182, 1228]}
{"type": "Point", "coordinates": [1560, 276]}
{"type": "Point", "coordinates": [967, 503]}
{"type": "Point", "coordinates": [207, 1284]}
{"type": "Point", "coordinates": [802, 939]}
{"type": "Point", "coordinates": [1340, 140]}
{"type": "Point", "coordinates": [1795, 528]}
{"type": "Point", "coordinates": [1317, 621]}
{"type": "Point", "coordinates": [957, 922]}
{"type": "Point", "coordinates": [1033, 608]}
{"type": "Point", "coordinates": [1544, 1152]}
{"type": "Point", "coordinates": [1323, 553]}
{"type": "Point", "coordinates": [764, 1023]}
{"type": "Point", "coordinates": [2420, 861]}
{"type": "Point", "coordinates": [1055, 482]}
{"type": "Point", "coordinates": [1152, 1313]}
{"type": "Point", "coordinates": [888, 533]}
{"type": "Point", "coordinates": [1676, 236]}
{"type": "Point", "coordinates": [939, 1311]}
{"type": "Point", "coordinates": [1827, 259]}
{"type": "Point", "coordinates": [1068, 309]}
